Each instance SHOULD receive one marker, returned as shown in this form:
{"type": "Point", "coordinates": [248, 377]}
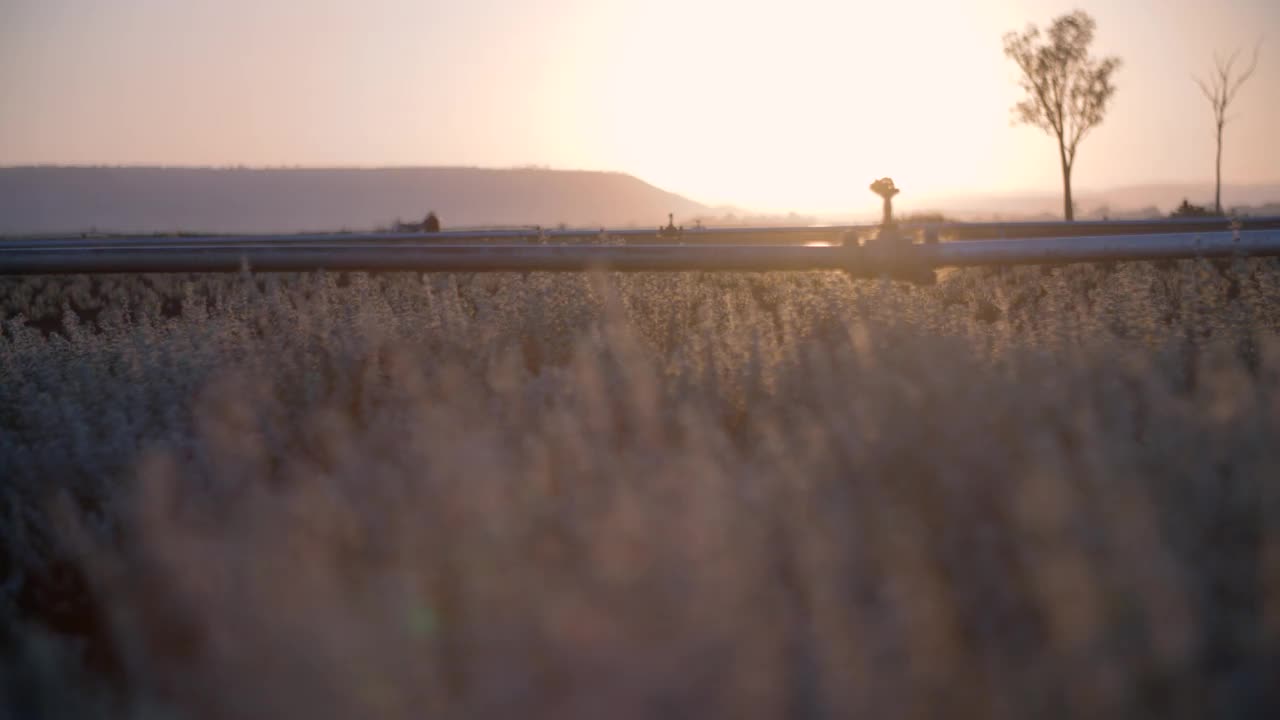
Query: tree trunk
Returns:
{"type": "Point", "coordinates": [1068, 211]}
{"type": "Point", "coordinates": [1217, 175]}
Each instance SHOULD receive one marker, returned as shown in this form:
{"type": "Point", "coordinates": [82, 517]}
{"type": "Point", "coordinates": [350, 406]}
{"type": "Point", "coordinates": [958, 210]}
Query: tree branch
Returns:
{"type": "Point", "coordinates": [1248, 73]}
{"type": "Point", "coordinates": [1212, 97]}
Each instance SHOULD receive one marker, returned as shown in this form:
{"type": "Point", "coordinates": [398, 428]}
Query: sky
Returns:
{"type": "Point", "coordinates": [772, 106]}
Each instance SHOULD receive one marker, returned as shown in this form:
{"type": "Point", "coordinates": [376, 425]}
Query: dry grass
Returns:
{"type": "Point", "coordinates": [1027, 493]}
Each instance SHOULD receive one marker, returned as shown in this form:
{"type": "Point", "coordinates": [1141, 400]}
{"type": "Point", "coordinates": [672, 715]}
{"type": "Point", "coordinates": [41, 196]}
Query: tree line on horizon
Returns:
{"type": "Point", "coordinates": [1068, 90]}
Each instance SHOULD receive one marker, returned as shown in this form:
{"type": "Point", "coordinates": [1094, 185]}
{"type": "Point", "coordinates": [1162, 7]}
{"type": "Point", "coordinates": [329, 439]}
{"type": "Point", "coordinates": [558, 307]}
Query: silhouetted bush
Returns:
{"type": "Point", "coordinates": [1186, 209]}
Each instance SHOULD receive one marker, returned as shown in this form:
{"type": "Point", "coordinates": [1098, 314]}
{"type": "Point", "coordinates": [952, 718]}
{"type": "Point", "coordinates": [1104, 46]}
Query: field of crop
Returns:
{"type": "Point", "coordinates": [1030, 493]}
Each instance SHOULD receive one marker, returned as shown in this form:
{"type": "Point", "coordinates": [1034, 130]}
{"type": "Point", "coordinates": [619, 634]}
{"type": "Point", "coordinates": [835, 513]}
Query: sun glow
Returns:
{"type": "Point", "coordinates": [779, 112]}
{"type": "Point", "coordinates": [763, 106]}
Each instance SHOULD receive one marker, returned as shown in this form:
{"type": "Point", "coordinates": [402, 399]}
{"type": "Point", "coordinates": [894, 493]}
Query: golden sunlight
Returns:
{"type": "Point", "coordinates": [778, 112]}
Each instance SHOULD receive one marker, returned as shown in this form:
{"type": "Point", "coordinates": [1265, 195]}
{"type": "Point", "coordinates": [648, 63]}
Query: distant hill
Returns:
{"type": "Point", "coordinates": [153, 199]}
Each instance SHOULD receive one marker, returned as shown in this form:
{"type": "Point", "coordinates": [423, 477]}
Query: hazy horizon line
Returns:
{"type": "Point", "coordinates": [524, 166]}
{"type": "Point", "coordinates": [921, 203]}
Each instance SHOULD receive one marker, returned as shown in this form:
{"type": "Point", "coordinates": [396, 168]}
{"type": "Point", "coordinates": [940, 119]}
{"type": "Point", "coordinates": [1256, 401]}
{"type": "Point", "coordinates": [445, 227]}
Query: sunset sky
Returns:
{"type": "Point", "coordinates": [774, 106]}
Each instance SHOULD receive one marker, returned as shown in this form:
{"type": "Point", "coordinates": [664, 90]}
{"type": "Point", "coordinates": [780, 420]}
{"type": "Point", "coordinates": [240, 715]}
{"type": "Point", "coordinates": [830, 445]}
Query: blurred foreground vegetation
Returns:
{"type": "Point", "coordinates": [1021, 493]}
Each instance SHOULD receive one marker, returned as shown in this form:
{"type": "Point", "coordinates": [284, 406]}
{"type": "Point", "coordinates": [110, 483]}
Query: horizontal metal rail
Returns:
{"type": "Point", "coordinates": [1104, 248]}
{"type": "Point", "coordinates": [745, 235]}
{"type": "Point", "coordinates": [730, 235]}
{"type": "Point", "coordinates": [1082, 228]}
{"type": "Point", "coordinates": [372, 254]}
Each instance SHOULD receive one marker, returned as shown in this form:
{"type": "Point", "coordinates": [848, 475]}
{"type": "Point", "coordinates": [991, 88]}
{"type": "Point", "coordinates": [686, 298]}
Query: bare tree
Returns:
{"type": "Point", "coordinates": [1220, 89]}
{"type": "Point", "coordinates": [1067, 89]}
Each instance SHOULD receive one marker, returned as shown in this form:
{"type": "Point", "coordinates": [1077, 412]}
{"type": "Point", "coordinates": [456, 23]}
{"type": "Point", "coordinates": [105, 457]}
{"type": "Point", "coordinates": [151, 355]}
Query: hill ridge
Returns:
{"type": "Point", "coordinates": [153, 198]}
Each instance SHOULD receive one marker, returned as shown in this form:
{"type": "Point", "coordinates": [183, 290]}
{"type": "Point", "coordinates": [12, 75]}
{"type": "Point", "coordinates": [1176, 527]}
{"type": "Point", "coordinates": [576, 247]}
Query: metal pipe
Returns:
{"type": "Point", "coordinates": [1082, 228]}
{"type": "Point", "coordinates": [874, 259]}
{"type": "Point", "coordinates": [632, 235]}
{"type": "Point", "coordinates": [830, 233]}
{"type": "Point", "coordinates": [1102, 248]}
{"type": "Point", "coordinates": [437, 258]}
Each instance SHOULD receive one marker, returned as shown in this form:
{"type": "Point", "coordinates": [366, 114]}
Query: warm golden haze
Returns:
{"type": "Point", "coordinates": [284, 434]}
{"type": "Point", "coordinates": [745, 103]}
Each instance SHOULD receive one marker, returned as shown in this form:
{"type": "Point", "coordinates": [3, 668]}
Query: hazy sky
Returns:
{"type": "Point", "coordinates": [775, 105]}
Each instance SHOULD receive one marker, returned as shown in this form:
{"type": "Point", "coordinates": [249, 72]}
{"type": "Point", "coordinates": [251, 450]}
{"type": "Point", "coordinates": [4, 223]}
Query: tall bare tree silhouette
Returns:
{"type": "Point", "coordinates": [1220, 90]}
{"type": "Point", "coordinates": [1067, 89]}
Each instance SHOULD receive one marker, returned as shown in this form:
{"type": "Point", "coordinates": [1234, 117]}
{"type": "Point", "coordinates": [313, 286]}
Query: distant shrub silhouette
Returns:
{"type": "Point", "coordinates": [928, 216]}
{"type": "Point", "coordinates": [1186, 209]}
{"type": "Point", "coordinates": [429, 224]}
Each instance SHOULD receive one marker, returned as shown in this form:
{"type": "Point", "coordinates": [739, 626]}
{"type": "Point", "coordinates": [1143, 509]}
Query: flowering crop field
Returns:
{"type": "Point", "coordinates": [1042, 492]}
